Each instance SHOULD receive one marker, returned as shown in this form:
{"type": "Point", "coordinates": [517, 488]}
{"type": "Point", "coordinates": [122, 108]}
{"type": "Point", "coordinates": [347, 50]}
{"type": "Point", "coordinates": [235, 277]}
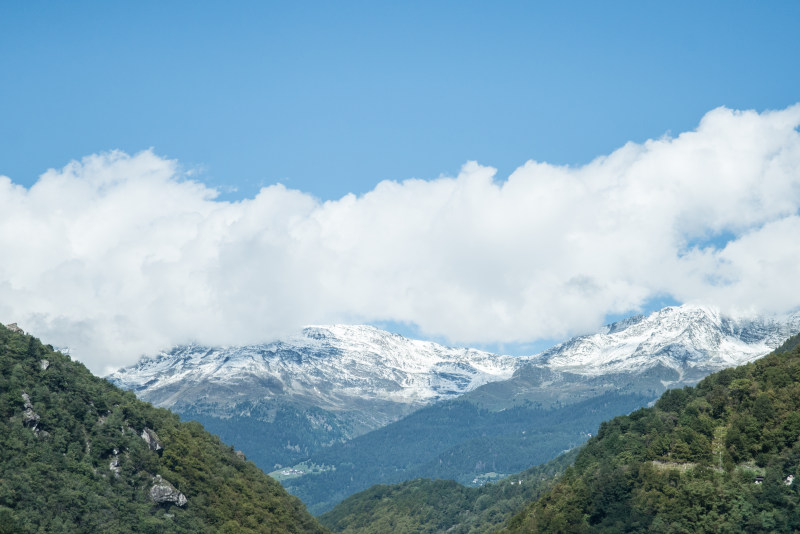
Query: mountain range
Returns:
{"type": "Point", "coordinates": [318, 397]}
{"type": "Point", "coordinates": [80, 455]}
{"type": "Point", "coordinates": [369, 377]}
{"type": "Point", "coordinates": [365, 376]}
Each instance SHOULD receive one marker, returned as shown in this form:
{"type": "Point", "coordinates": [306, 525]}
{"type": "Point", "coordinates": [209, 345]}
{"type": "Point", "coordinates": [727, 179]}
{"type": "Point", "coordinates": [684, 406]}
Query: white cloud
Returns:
{"type": "Point", "coordinates": [120, 255]}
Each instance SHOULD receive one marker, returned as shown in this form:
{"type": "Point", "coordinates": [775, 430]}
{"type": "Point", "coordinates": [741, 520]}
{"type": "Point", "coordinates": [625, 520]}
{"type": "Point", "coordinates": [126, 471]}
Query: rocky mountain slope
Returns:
{"type": "Point", "coordinates": [374, 376]}
{"type": "Point", "coordinates": [80, 455]}
{"type": "Point", "coordinates": [355, 369]}
{"type": "Point", "coordinates": [672, 347]}
{"type": "Point", "coordinates": [691, 340]}
{"type": "Point", "coordinates": [324, 385]}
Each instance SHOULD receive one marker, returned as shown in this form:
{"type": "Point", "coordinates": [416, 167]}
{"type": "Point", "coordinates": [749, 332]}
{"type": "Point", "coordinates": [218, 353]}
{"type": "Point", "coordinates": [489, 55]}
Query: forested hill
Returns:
{"type": "Point", "coordinates": [77, 454]}
{"type": "Point", "coordinates": [719, 457]}
{"type": "Point", "coordinates": [454, 440]}
{"type": "Point", "coordinates": [430, 506]}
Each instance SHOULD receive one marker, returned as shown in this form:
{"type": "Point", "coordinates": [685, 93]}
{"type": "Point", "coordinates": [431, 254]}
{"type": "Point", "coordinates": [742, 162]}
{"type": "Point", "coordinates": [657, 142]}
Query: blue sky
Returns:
{"type": "Point", "coordinates": [332, 97]}
{"type": "Point", "coordinates": [618, 167]}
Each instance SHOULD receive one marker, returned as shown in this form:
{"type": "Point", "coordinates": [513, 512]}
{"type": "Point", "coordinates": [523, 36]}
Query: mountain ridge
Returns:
{"type": "Point", "coordinates": [374, 375]}
{"type": "Point", "coordinates": [719, 341]}
{"type": "Point", "coordinates": [331, 366]}
{"type": "Point", "coordinates": [631, 361]}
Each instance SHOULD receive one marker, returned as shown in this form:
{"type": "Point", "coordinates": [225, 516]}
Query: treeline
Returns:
{"type": "Point", "coordinates": [713, 458]}
{"type": "Point", "coordinates": [73, 459]}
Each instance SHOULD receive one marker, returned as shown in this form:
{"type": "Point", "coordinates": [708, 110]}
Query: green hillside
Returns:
{"type": "Point", "coordinates": [80, 455]}
{"type": "Point", "coordinates": [428, 506]}
{"type": "Point", "coordinates": [454, 440]}
{"type": "Point", "coordinates": [718, 457]}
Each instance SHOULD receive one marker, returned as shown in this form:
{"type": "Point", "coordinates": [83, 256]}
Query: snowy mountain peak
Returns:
{"type": "Point", "coordinates": [333, 367]}
{"type": "Point", "coordinates": [373, 377]}
{"type": "Point", "coordinates": [688, 337]}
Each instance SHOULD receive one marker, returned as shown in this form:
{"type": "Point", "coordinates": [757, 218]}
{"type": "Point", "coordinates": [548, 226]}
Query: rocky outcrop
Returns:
{"type": "Point", "coordinates": [44, 364]}
{"type": "Point", "coordinates": [114, 464]}
{"type": "Point", "coordinates": [164, 492]}
{"type": "Point", "coordinates": [151, 438]}
{"type": "Point", "coordinates": [14, 328]}
{"type": "Point", "coordinates": [30, 418]}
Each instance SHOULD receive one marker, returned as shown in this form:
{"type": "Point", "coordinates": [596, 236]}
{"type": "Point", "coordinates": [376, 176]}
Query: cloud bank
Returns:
{"type": "Point", "coordinates": [118, 255]}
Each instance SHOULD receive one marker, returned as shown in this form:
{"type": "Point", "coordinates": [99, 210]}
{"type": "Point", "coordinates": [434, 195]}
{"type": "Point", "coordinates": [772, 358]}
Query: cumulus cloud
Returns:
{"type": "Point", "coordinates": [120, 255]}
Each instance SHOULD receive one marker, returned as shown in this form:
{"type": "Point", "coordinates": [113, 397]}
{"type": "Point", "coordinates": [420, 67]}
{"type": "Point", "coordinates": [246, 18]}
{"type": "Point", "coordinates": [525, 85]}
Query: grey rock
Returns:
{"type": "Point", "coordinates": [114, 464]}
{"type": "Point", "coordinates": [164, 492]}
{"type": "Point", "coordinates": [151, 438]}
{"type": "Point", "coordinates": [27, 401]}
{"type": "Point", "coordinates": [30, 418]}
{"type": "Point", "coordinates": [44, 364]}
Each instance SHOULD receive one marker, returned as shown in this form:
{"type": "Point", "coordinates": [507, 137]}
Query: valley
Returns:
{"type": "Point", "coordinates": [378, 408]}
{"type": "Point", "coordinates": [455, 465]}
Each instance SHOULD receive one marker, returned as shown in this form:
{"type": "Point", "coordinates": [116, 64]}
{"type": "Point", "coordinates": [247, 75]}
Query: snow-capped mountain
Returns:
{"type": "Point", "coordinates": [376, 375]}
{"type": "Point", "coordinates": [285, 401]}
{"type": "Point", "coordinates": [672, 347]}
{"type": "Point", "coordinates": [686, 338]}
{"type": "Point", "coordinates": [382, 376]}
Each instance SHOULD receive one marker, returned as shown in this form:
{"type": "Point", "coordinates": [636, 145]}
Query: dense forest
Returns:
{"type": "Point", "coordinates": [79, 455]}
{"type": "Point", "coordinates": [454, 440]}
{"type": "Point", "coordinates": [718, 457]}
{"type": "Point", "coordinates": [428, 506]}
{"type": "Point", "coordinates": [273, 434]}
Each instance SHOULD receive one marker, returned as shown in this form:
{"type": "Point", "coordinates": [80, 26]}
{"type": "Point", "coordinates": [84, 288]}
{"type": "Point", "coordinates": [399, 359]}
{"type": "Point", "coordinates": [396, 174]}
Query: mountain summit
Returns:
{"type": "Point", "coordinates": [366, 376]}
{"type": "Point", "coordinates": [691, 340]}
{"type": "Point", "coordinates": [671, 347]}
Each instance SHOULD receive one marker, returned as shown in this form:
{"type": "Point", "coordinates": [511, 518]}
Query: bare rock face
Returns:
{"type": "Point", "coordinates": [27, 400]}
{"type": "Point", "coordinates": [30, 418]}
{"type": "Point", "coordinates": [151, 438]}
{"type": "Point", "coordinates": [164, 492]}
{"type": "Point", "coordinates": [44, 364]}
{"type": "Point", "coordinates": [14, 328]}
{"type": "Point", "coordinates": [114, 464]}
